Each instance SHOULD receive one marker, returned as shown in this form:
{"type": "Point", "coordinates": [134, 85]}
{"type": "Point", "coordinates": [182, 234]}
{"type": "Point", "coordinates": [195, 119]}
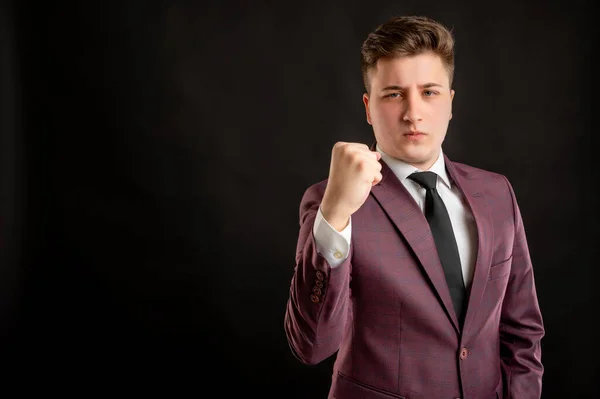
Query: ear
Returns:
{"type": "Point", "coordinates": [366, 102]}
{"type": "Point", "coordinates": [451, 99]}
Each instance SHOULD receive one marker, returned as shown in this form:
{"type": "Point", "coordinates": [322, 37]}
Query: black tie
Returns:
{"type": "Point", "coordinates": [443, 235]}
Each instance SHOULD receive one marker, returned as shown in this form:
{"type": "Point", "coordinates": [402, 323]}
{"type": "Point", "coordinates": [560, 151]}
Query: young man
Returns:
{"type": "Point", "coordinates": [414, 268]}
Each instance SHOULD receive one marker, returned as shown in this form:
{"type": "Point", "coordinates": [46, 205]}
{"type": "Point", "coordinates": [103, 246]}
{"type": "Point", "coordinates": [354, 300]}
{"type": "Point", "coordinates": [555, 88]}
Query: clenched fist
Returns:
{"type": "Point", "coordinates": [353, 171]}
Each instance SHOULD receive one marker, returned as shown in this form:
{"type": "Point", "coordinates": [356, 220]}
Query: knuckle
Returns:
{"type": "Point", "coordinates": [353, 156]}
{"type": "Point", "coordinates": [346, 149]}
{"type": "Point", "coordinates": [338, 145]}
{"type": "Point", "coordinates": [361, 164]}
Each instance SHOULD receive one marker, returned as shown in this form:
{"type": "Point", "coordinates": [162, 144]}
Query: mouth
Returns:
{"type": "Point", "coordinates": [414, 135]}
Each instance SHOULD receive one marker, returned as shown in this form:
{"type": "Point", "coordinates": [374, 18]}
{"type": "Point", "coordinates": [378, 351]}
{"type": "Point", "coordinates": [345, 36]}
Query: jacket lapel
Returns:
{"type": "Point", "coordinates": [470, 187]}
{"type": "Point", "coordinates": [404, 212]}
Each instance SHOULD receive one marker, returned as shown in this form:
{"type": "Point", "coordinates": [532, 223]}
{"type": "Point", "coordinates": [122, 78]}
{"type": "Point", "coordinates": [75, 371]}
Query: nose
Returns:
{"type": "Point", "coordinates": [412, 113]}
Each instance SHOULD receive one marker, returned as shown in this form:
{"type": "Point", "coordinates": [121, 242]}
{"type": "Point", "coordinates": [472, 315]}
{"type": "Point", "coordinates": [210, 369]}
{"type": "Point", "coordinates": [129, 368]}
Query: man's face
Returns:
{"type": "Point", "coordinates": [410, 94]}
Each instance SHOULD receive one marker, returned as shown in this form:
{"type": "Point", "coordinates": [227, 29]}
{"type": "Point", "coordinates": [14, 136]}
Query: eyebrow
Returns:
{"type": "Point", "coordinates": [424, 86]}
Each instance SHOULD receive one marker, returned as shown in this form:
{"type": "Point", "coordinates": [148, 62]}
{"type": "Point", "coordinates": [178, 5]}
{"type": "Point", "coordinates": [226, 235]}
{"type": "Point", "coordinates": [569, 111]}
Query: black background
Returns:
{"type": "Point", "coordinates": [153, 156]}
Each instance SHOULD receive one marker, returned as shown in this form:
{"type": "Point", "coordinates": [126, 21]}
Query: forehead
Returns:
{"type": "Point", "coordinates": [405, 71]}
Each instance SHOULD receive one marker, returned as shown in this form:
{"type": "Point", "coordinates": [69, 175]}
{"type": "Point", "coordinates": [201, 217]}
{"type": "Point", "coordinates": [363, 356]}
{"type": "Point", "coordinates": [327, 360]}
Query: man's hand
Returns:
{"type": "Point", "coordinates": [353, 171]}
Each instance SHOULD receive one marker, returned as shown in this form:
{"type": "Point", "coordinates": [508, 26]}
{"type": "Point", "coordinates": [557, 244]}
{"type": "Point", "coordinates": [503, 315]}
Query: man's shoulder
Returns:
{"type": "Point", "coordinates": [314, 192]}
{"type": "Point", "coordinates": [477, 173]}
{"type": "Point", "coordinates": [317, 187]}
{"type": "Point", "coordinates": [491, 182]}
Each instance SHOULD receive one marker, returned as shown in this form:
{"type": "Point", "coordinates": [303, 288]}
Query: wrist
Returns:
{"type": "Point", "coordinates": [336, 219]}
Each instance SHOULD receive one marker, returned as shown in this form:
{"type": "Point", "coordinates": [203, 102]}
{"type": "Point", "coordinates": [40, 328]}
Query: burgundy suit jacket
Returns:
{"type": "Point", "coordinates": [387, 312]}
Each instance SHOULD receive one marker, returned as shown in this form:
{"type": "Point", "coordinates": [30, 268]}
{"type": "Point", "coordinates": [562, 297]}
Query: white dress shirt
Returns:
{"type": "Point", "coordinates": [335, 245]}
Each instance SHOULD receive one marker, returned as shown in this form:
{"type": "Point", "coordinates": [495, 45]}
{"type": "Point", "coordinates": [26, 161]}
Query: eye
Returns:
{"type": "Point", "coordinates": [394, 95]}
{"type": "Point", "coordinates": [429, 93]}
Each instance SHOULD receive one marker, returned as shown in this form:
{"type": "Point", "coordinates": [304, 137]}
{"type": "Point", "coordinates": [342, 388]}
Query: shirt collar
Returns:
{"type": "Point", "coordinates": [402, 169]}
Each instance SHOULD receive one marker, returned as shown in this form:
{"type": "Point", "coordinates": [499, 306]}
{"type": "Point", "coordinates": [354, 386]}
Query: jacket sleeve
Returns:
{"type": "Point", "coordinates": [521, 325]}
{"type": "Point", "coordinates": [317, 307]}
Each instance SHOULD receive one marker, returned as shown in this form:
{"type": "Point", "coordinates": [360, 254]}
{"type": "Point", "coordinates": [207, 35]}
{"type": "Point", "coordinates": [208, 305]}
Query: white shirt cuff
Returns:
{"type": "Point", "coordinates": [333, 245]}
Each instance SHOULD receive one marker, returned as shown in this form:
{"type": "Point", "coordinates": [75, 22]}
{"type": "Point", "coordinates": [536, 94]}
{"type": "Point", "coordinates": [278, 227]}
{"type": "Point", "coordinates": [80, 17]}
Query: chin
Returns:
{"type": "Point", "coordinates": [416, 156]}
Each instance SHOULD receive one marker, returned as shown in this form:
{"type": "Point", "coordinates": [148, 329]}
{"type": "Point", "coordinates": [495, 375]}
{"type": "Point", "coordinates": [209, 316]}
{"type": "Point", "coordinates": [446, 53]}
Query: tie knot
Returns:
{"type": "Point", "coordinates": [425, 179]}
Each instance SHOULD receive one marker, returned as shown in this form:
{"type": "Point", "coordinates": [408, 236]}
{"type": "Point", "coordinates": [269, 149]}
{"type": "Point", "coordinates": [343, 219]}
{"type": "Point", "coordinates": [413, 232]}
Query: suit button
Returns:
{"type": "Point", "coordinates": [316, 291]}
{"type": "Point", "coordinates": [314, 298]}
{"type": "Point", "coordinates": [320, 275]}
{"type": "Point", "coordinates": [464, 353]}
{"type": "Point", "coordinates": [319, 284]}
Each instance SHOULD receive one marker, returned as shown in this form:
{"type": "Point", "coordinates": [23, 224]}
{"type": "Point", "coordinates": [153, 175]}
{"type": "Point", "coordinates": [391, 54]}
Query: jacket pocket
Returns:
{"type": "Point", "coordinates": [347, 387]}
{"type": "Point", "coordinates": [500, 269]}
